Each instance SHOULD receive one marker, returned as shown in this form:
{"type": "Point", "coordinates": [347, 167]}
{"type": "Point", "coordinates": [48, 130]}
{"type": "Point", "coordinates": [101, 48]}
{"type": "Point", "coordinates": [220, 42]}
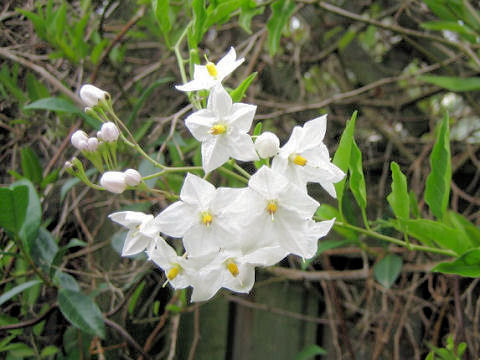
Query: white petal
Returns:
{"type": "Point", "coordinates": [298, 201]}
{"type": "Point", "coordinates": [313, 132]}
{"type": "Point", "coordinates": [176, 219]}
{"type": "Point", "coordinates": [130, 219]}
{"type": "Point", "coordinates": [220, 102]}
{"type": "Point", "coordinates": [206, 286]}
{"type": "Point", "coordinates": [135, 243]}
{"type": "Point", "coordinates": [243, 282]}
{"type": "Point", "coordinates": [201, 80]}
{"type": "Point", "coordinates": [199, 123]}
{"type": "Point", "coordinates": [201, 240]}
{"type": "Point", "coordinates": [196, 191]}
{"type": "Point", "coordinates": [268, 183]}
{"type": "Point", "coordinates": [215, 153]}
{"type": "Point", "coordinates": [228, 64]}
{"type": "Point", "coordinates": [241, 147]}
{"type": "Point", "coordinates": [241, 116]}
{"type": "Point", "coordinates": [266, 256]}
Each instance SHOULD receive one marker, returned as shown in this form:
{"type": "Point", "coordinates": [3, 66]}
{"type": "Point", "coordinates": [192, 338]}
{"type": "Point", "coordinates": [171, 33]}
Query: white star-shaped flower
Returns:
{"type": "Point", "coordinates": [222, 128]}
{"type": "Point", "coordinates": [304, 158]}
{"type": "Point", "coordinates": [207, 76]}
{"type": "Point", "coordinates": [204, 217]}
{"type": "Point", "coordinates": [142, 230]}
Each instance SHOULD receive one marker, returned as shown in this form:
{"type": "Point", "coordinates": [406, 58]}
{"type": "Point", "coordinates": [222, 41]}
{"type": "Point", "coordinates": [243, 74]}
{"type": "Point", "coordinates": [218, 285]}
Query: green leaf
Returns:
{"type": "Point", "coordinates": [342, 156]}
{"type": "Point", "coordinates": [247, 11]}
{"type": "Point", "coordinates": [238, 94]}
{"type": "Point", "coordinates": [222, 12]}
{"type": "Point", "coordinates": [18, 351]}
{"type": "Point", "coordinates": [454, 26]}
{"type": "Point", "coordinates": [50, 178]}
{"type": "Point", "coordinates": [466, 265]}
{"type": "Point", "coordinates": [346, 39]}
{"type": "Point", "coordinates": [398, 198]}
{"type": "Point", "coordinates": [198, 28]}
{"type": "Point", "coordinates": [17, 290]}
{"type": "Point", "coordinates": [36, 90]}
{"type": "Point", "coordinates": [281, 12]}
{"type": "Point", "coordinates": [458, 221]}
{"type": "Point", "coordinates": [13, 208]}
{"type": "Point", "coordinates": [65, 281]}
{"type": "Point", "coordinates": [453, 83]}
{"type": "Point", "coordinates": [81, 311]}
{"type": "Point", "coordinates": [31, 167]}
{"type": "Point", "coordinates": [357, 180]}
{"type": "Point", "coordinates": [43, 249]}
{"type": "Point", "coordinates": [310, 352]}
{"type": "Point", "coordinates": [33, 217]}
{"type": "Point", "coordinates": [48, 351]}
{"type": "Point", "coordinates": [135, 296]}
{"type": "Point", "coordinates": [258, 129]}
{"type": "Point", "coordinates": [386, 271]}
{"type": "Point", "coordinates": [437, 188]}
{"type": "Point", "coordinates": [161, 8]}
{"type": "Point", "coordinates": [62, 105]}
{"type": "Point", "coordinates": [433, 232]}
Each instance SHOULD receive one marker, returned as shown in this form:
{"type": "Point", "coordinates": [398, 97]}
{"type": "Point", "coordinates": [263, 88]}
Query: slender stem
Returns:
{"type": "Point", "coordinates": [241, 170]}
{"type": "Point", "coordinates": [27, 256]}
{"type": "Point", "coordinates": [393, 240]}
{"type": "Point", "coordinates": [233, 174]}
{"type": "Point", "coordinates": [167, 170]}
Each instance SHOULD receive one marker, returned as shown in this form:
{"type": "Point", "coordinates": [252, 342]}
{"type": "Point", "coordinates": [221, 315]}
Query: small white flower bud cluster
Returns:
{"type": "Point", "coordinates": [117, 181]}
{"type": "Point", "coordinates": [82, 142]}
{"type": "Point", "coordinates": [93, 96]}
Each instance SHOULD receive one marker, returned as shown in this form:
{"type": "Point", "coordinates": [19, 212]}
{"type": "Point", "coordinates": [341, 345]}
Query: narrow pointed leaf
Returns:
{"type": "Point", "coordinates": [281, 12]}
{"type": "Point", "coordinates": [466, 265]}
{"type": "Point", "coordinates": [357, 179]}
{"type": "Point", "coordinates": [399, 199]}
{"type": "Point", "coordinates": [17, 290]}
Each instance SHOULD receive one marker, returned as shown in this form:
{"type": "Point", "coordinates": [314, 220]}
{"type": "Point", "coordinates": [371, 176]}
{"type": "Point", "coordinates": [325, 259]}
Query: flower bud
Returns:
{"type": "Point", "coordinates": [113, 181]}
{"type": "Point", "coordinates": [92, 96]}
{"type": "Point", "coordinates": [79, 140]}
{"type": "Point", "coordinates": [132, 177]}
{"type": "Point", "coordinates": [109, 132]}
{"type": "Point", "coordinates": [267, 144]}
{"type": "Point", "coordinates": [92, 144]}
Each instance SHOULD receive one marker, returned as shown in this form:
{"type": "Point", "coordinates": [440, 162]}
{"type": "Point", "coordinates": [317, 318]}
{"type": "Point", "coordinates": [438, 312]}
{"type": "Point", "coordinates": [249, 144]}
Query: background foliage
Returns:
{"type": "Point", "coordinates": [410, 69]}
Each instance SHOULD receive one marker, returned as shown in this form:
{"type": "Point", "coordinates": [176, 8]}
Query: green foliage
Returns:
{"type": "Point", "coordinates": [466, 265]}
{"type": "Point", "coordinates": [399, 198]}
{"type": "Point", "coordinates": [310, 352]}
{"type": "Point", "coordinates": [282, 10]}
{"type": "Point", "coordinates": [437, 188]}
{"type": "Point", "coordinates": [17, 290]}
{"type": "Point", "coordinates": [161, 9]}
{"type": "Point", "coordinates": [81, 311]}
{"type": "Point", "coordinates": [357, 179]}
{"type": "Point", "coordinates": [238, 94]}
{"type": "Point", "coordinates": [387, 270]}
{"type": "Point", "coordinates": [449, 352]}
{"type": "Point", "coordinates": [453, 83]}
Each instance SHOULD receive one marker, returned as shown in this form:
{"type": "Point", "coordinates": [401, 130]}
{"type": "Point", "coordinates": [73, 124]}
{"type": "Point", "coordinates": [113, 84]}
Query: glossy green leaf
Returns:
{"type": "Point", "coordinates": [310, 352]}
{"type": "Point", "coordinates": [248, 10]}
{"type": "Point", "coordinates": [433, 232]}
{"type": "Point", "coordinates": [342, 156]}
{"type": "Point", "coordinates": [81, 311]}
{"type": "Point", "coordinates": [238, 94]}
{"type": "Point", "coordinates": [62, 105]}
{"type": "Point", "coordinates": [198, 28]}
{"type": "Point", "coordinates": [453, 83]}
{"type": "Point", "coordinates": [135, 296]}
{"type": "Point", "coordinates": [466, 265]}
{"type": "Point", "coordinates": [281, 12]}
{"type": "Point", "coordinates": [17, 290]}
{"type": "Point", "coordinates": [387, 270]}
{"type": "Point", "coordinates": [460, 222]}
{"type": "Point", "coordinates": [399, 199]}
{"type": "Point", "coordinates": [43, 249]}
{"type": "Point", "coordinates": [357, 179]}
{"type": "Point", "coordinates": [220, 13]}
{"type": "Point", "coordinates": [161, 10]}
{"type": "Point", "coordinates": [65, 281]}
{"type": "Point", "coordinates": [31, 167]}
{"type": "Point", "coordinates": [437, 188]}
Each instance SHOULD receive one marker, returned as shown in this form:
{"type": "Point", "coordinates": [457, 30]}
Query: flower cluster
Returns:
{"type": "Point", "coordinates": [227, 232]}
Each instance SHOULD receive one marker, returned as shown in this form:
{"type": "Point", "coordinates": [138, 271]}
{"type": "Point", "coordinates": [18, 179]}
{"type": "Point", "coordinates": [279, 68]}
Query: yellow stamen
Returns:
{"type": "Point", "coordinates": [300, 160]}
{"type": "Point", "coordinates": [173, 272]}
{"type": "Point", "coordinates": [233, 268]}
{"type": "Point", "coordinates": [272, 207]}
{"type": "Point", "coordinates": [212, 69]}
{"type": "Point", "coordinates": [206, 218]}
{"type": "Point", "coordinates": [218, 129]}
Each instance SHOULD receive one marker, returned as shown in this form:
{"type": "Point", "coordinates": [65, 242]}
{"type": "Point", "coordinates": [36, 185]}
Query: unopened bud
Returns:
{"type": "Point", "coordinates": [113, 181]}
{"type": "Point", "coordinates": [109, 132]}
{"type": "Point", "coordinates": [267, 145]}
{"type": "Point", "coordinates": [92, 96]}
{"type": "Point", "coordinates": [92, 144]}
{"type": "Point", "coordinates": [79, 140]}
{"type": "Point", "coordinates": [132, 177]}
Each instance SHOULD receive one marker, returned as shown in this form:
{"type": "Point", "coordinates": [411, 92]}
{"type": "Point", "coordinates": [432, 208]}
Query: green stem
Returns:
{"type": "Point", "coordinates": [233, 174]}
{"type": "Point", "coordinates": [241, 170]}
{"type": "Point", "coordinates": [37, 271]}
{"type": "Point", "coordinates": [393, 240]}
{"type": "Point", "coordinates": [172, 170]}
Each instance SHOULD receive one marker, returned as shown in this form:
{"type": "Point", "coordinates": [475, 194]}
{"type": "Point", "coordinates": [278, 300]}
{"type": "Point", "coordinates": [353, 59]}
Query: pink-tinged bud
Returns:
{"type": "Point", "coordinates": [79, 140]}
{"type": "Point", "coordinates": [114, 181]}
{"type": "Point", "coordinates": [109, 132]}
{"type": "Point", "coordinates": [132, 177]}
{"type": "Point", "coordinates": [267, 144]}
{"type": "Point", "coordinates": [92, 144]}
{"type": "Point", "coordinates": [92, 96]}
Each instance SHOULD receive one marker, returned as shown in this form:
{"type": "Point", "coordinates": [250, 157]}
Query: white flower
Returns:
{"type": "Point", "coordinates": [267, 144]}
{"type": "Point", "coordinates": [142, 230]}
{"type": "Point", "coordinates": [280, 214]}
{"type": "Point", "coordinates": [92, 96]}
{"type": "Point", "coordinates": [205, 217]}
{"type": "Point", "coordinates": [114, 181]}
{"type": "Point", "coordinates": [108, 132]}
{"type": "Point", "coordinates": [79, 140]}
{"type": "Point", "coordinates": [304, 158]}
{"type": "Point", "coordinates": [207, 76]}
{"type": "Point", "coordinates": [132, 177]}
{"type": "Point", "coordinates": [222, 128]}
